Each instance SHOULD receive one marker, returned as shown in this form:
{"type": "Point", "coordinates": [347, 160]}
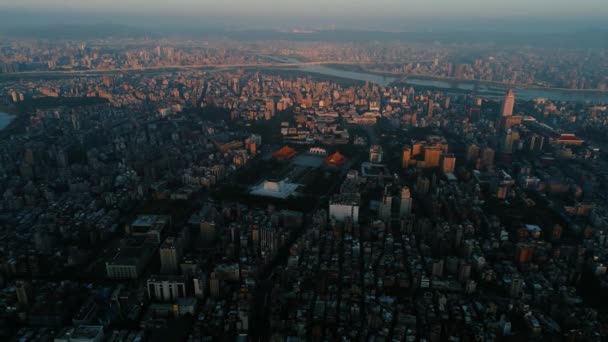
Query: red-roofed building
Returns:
{"type": "Point", "coordinates": [335, 159]}
{"type": "Point", "coordinates": [284, 153]}
{"type": "Point", "coordinates": [569, 139]}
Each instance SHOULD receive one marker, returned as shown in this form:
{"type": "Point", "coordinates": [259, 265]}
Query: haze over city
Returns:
{"type": "Point", "coordinates": [314, 8]}
{"type": "Point", "coordinates": [508, 16]}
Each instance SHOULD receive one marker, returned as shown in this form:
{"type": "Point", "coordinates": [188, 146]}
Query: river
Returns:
{"type": "Point", "coordinates": [464, 86]}
{"type": "Point", "coordinates": [5, 119]}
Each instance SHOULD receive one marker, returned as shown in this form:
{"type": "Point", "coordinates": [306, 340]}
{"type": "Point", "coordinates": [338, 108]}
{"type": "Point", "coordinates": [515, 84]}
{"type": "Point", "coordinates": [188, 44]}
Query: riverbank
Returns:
{"type": "Point", "coordinates": [502, 85]}
{"type": "Point", "coordinates": [350, 74]}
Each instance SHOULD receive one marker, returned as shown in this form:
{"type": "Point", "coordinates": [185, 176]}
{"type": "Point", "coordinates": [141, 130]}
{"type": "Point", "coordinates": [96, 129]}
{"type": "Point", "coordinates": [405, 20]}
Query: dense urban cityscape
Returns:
{"type": "Point", "coordinates": [302, 189]}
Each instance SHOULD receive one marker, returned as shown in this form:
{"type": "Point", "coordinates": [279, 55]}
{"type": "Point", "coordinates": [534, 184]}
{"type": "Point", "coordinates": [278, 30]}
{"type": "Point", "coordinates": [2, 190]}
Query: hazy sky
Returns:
{"type": "Point", "coordinates": [325, 8]}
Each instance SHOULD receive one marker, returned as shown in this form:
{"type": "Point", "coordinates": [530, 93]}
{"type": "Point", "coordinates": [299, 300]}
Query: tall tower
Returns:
{"type": "Point", "coordinates": [448, 164]}
{"type": "Point", "coordinates": [429, 108]}
{"type": "Point", "coordinates": [487, 156]}
{"type": "Point", "coordinates": [385, 209]}
{"type": "Point", "coordinates": [508, 103]}
{"type": "Point", "coordinates": [432, 157]}
{"type": "Point", "coordinates": [375, 154]}
{"type": "Point", "coordinates": [24, 292]}
{"type": "Point", "coordinates": [405, 209]}
{"type": "Point", "coordinates": [170, 255]}
{"type": "Point", "coordinates": [406, 157]}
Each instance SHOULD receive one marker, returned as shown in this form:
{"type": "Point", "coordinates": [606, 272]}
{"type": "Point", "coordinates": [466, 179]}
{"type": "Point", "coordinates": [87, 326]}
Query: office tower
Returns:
{"type": "Point", "coordinates": [464, 271]}
{"type": "Point", "coordinates": [487, 156]}
{"type": "Point", "coordinates": [511, 121]}
{"type": "Point", "coordinates": [385, 209]}
{"type": "Point", "coordinates": [472, 152]}
{"type": "Point", "coordinates": [524, 253]}
{"type": "Point", "coordinates": [23, 290]}
{"type": "Point", "coordinates": [405, 208]}
{"type": "Point", "coordinates": [417, 148]}
{"type": "Point", "coordinates": [502, 191]}
{"type": "Point", "coordinates": [516, 286]}
{"type": "Point", "coordinates": [432, 156]}
{"type": "Point", "coordinates": [215, 285]}
{"type": "Point", "coordinates": [268, 240]}
{"type": "Point", "coordinates": [375, 154]}
{"type": "Point", "coordinates": [344, 206]}
{"type": "Point", "coordinates": [235, 85]}
{"type": "Point", "coordinates": [166, 288]}
{"type": "Point", "coordinates": [510, 142]}
{"type": "Point", "coordinates": [437, 270]}
{"type": "Point", "coordinates": [406, 157]}
{"type": "Point", "coordinates": [508, 103]}
{"type": "Point", "coordinates": [207, 230]}
{"type": "Point", "coordinates": [374, 106]}
{"type": "Point", "coordinates": [448, 164]}
{"type": "Point", "coordinates": [423, 185]}
{"type": "Point", "coordinates": [200, 285]}
{"type": "Point", "coordinates": [270, 109]}
{"type": "Point", "coordinates": [429, 109]}
{"type": "Point", "coordinates": [536, 143]}
{"type": "Point", "coordinates": [170, 254]}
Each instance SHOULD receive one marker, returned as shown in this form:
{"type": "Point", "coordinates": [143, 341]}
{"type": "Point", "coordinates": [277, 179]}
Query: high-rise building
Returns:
{"type": "Point", "coordinates": [170, 255]}
{"type": "Point", "coordinates": [207, 230]}
{"type": "Point", "coordinates": [510, 142]}
{"type": "Point", "coordinates": [437, 268]}
{"type": "Point", "coordinates": [268, 240]}
{"type": "Point", "coordinates": [432, 157]}
{"type": "Point", "coordinates": [200, 286]}
{"type": "Point", "coordinates": [344, 206]}
{"type": "Point", "coordinates": [472, 152]}
{"type": "Point", "coordinates": [487, 156]}
{"type": "Point", "coordinates": [23, 290]}
{"type": "Point", "coordinates": [375, 154]}
{"type": "Point", "coordinates": [385, 209]}
{"type": "Point", "coordinates": [405, 208]}
{"type": "Point", "coordinates": [215, 284]}
{"type": "Point", "coordinates": [270, 109]}
{"type": "Point", "coordinates": [517, 284]}
{"type": "Point", "coordinates": [536, 143]}
{"type": "Point", "coordinates": [417, 148]}
{"type": "Point", "coordinates": [166, 288]}
{"type": "Point", "coordinates": [423, 185]}
{"type": "Point", "coordinates": [448, 164]}
{"type": "Point", "coordinates": [508, 103]}
{"type": "Point", "coordinates": [406, 157]}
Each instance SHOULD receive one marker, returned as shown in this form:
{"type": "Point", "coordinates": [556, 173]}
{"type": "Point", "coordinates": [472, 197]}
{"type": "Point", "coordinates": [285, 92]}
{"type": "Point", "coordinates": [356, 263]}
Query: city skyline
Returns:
{"type": "Point", "coordinates": [303, 171]}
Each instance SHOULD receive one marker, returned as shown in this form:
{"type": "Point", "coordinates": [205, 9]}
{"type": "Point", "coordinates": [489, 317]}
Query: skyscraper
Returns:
{"type": "Point", "coordinates": [23, 290]}
{"type": "Point", "coordinates": [406, 157]}
{"type": "Point", "coordinates": [170, 253]}
{"type": "Point", "coordinates": [406, 202]}
{"type": "Point", "coordinates": [432, 157]}
{"type": "Point", "coordinates": [508, 103]}
{"type": "Point", "coordinates": [472, 152]}
{"type": "Point", "coordinates": [487, 156]}
{"type": "Point", "coordinates": [375, 154]}
{"type": "Point", "coordinates": [448, 164]}
{"type": "Point", "coordinates": [386, 206]}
